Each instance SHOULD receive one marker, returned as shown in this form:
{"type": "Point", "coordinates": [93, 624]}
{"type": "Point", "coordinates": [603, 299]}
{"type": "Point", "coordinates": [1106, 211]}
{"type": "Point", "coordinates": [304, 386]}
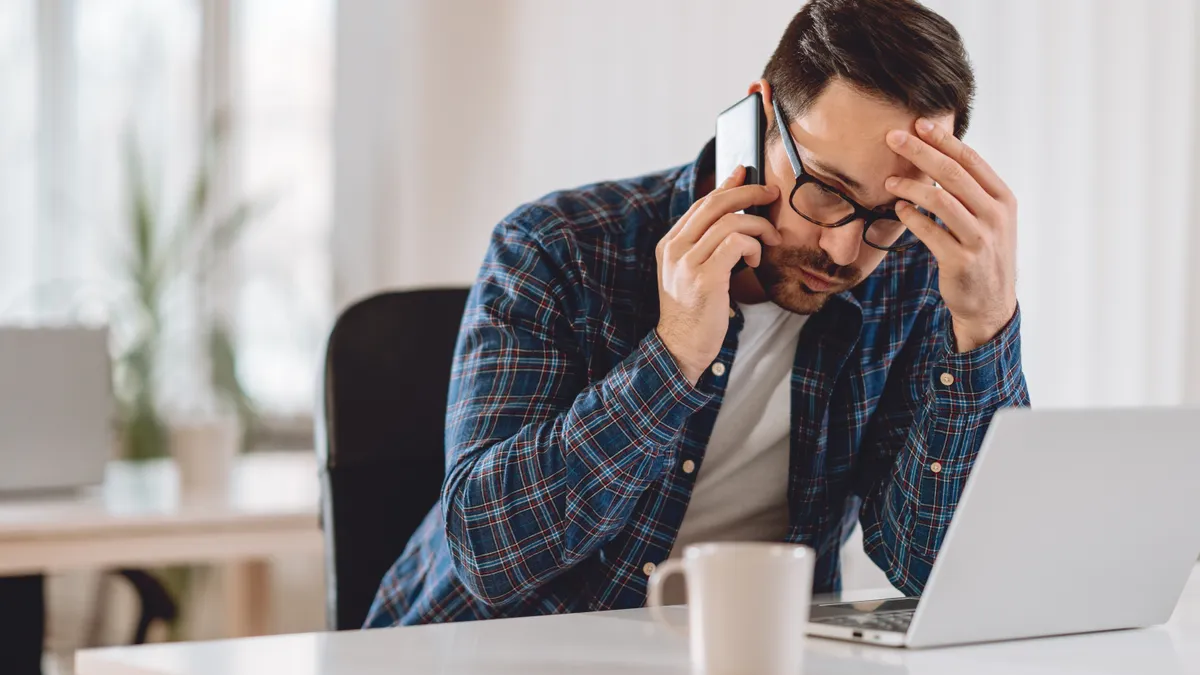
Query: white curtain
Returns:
{"type": "Point", "coordinates": [1089, 108]}
{"type": "Point", "coordinates": [451, 113]}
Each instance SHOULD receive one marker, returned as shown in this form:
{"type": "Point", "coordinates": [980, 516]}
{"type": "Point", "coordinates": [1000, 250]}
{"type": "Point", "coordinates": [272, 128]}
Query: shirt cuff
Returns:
{"type": "Point", "coordinates": [651, 391]}
{"type": "Point", "coordinates": [981, 380]}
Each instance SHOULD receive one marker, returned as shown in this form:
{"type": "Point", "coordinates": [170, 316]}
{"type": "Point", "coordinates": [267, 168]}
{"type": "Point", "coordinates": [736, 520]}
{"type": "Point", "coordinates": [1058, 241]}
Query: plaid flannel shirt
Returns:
{"type": "Point", "coordinates": [568, 419]}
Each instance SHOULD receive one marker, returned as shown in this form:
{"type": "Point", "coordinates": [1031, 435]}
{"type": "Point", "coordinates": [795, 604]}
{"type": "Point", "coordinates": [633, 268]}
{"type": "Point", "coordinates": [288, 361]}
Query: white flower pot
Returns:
{"type": "Point", "coordinates": [204, 452]}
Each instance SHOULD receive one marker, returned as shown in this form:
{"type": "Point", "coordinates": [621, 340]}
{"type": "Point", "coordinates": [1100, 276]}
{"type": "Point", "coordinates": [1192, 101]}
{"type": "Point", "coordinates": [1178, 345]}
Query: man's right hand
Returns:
{"type": "Point", "coordinates": [695, 261]}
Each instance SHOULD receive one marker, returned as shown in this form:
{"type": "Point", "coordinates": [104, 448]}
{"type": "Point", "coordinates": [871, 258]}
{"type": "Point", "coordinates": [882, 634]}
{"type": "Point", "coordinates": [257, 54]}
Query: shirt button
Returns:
{"type": "Point", "coordinates": [649, 568]}
{"type": "Point", "coordinates": [718, 369]}
{"type": "Point", "coordinates": [936, 467]}
{"type": "Point", "coordinates": [947, 379]}
{"type": "Point", "coordinates": [688, 466]}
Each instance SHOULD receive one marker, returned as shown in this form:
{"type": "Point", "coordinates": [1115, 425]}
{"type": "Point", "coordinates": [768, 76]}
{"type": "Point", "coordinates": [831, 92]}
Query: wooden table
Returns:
{"type": "Point", "coordinates": [629, 642]}
{"type": "Point", "coordinates": [139, 518]}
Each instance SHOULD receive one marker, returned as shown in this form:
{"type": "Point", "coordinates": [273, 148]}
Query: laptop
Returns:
{"type": "Point", "coordinates": [57, 410]}
{"type": "Point", "coordinates": [1072, 521]}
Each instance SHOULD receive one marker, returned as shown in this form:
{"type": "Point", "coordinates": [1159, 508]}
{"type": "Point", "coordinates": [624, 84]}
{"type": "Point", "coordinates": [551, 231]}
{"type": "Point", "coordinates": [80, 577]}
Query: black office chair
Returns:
{"type": "Point", "coordinates": [379, 432]}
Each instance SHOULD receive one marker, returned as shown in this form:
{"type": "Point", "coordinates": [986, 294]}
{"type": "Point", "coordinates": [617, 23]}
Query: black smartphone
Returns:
{"type": "Point", "coordinates": [741, 133]}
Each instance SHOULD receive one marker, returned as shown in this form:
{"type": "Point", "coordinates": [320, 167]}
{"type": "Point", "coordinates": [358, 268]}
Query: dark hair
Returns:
{"type": "Point", "coordinates": [898, 50]}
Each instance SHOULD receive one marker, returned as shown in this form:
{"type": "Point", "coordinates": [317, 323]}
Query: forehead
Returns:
{"type": "Point", "coordinates": [845, 129]}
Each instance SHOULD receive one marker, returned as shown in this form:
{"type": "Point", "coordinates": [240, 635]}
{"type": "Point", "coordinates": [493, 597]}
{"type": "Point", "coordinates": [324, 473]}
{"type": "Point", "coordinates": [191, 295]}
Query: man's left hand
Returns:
{"type": "Point", "coordinates": [976, 250]}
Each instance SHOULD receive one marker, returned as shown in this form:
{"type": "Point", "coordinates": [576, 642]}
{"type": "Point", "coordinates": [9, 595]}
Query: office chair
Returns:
{"type": "Point", "coordinates": [379, 430]}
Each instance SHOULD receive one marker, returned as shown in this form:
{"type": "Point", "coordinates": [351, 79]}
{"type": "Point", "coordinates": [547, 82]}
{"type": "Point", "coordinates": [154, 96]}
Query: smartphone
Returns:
{"type": "Point", "coordinates": [741, 134]}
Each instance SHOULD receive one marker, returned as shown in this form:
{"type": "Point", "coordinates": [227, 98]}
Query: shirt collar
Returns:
{"type": "Point", "coordinates": [684, 193]}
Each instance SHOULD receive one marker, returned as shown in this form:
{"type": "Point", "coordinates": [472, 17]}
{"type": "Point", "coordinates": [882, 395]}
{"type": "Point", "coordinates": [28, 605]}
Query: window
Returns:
{"type": "Point", "coordinates": [18, 155]}
{"type": "Point", "coordinates": [134, 72]}
{"type": "Point", "coordinates": [284, 300]}
{"type": "Point", "coordinates": [78, 78]}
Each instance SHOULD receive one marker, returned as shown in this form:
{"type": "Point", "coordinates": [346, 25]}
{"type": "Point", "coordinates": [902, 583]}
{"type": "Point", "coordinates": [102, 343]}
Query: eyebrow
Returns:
{"type": "Point", "coordinates": [848, 182]}
{"type": "Point", "coordinates": [830, 171]}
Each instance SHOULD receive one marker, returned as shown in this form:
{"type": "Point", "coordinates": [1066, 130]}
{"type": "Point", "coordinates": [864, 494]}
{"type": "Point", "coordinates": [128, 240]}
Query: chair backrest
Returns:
{"type": "Point", "coordinates": [380, 436]}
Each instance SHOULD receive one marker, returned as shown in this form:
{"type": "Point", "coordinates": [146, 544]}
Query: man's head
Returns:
{"type": "Point", "coordinates": [845, 73]}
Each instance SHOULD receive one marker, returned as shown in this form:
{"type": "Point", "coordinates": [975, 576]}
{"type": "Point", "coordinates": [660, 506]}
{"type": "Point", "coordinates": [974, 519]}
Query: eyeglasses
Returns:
{"type": "Point", "coordinates": [826, 206]}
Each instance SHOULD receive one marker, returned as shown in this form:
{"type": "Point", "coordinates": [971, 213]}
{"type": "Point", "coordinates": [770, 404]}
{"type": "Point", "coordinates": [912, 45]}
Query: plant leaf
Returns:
{"type": "Point", "coordinates": [224, 378]}
{"type": "Point", "coordinates": [145, 432]}
{"type": "Point", "coordinates": [231, 227]}
{"type": "Point", "coordinates": [181, 246]}
{"type": "Point", "coordinates": [142, 216]}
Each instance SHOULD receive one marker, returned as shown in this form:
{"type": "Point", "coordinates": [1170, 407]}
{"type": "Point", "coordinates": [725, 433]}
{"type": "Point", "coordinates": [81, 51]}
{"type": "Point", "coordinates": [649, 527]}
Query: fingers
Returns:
{"type": "Point", "coordinates": [735, 179]}
{"type": "Point", "coordinates": [960, 222]}
{"type": "Point", "coordinates": [723, 202]}
{"type": "Point", "coordinates": [719, 210]}
{"type": "Point", "coordinates": [945, 170]}
{"type": "Point", "coordinates": [939, 242]}
{"type": "Point", "coordinates": [731, 249]}
{"type": "Point", "coordinates": [966, 156]}
{"type": "Point", "coordinates": [752, 226]}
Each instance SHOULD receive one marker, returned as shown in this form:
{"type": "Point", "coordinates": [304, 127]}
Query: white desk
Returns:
{"type": "Point", "coordinates": [138, 518]}
{"type": "Point", "coordinates": [629, 642]}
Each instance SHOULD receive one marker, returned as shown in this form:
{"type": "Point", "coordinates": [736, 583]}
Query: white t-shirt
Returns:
{"type": "Point", "coordinates": [741, 489]}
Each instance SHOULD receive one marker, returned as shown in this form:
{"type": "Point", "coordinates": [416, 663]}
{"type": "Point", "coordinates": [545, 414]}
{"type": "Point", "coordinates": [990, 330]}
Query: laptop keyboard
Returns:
{"type": "Point", "coordinates": [896, 622]}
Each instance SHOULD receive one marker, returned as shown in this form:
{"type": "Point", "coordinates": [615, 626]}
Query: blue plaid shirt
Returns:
{"type": "Point", "coordinates": [568, 419]}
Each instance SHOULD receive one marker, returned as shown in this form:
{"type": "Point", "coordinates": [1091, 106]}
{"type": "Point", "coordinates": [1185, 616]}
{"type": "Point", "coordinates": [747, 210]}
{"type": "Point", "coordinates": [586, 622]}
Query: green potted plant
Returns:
{"type": "Point", "coordinates": [168, 262]}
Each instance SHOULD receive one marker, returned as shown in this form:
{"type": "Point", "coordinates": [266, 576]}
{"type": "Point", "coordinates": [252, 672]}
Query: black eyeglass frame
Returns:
{"type": "Point", "coordinates": [803, 177]}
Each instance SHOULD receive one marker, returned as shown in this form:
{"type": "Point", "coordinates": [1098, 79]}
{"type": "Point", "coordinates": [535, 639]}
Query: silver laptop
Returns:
{"type": "Point", "coordinates": [1072, 521]}
{"type": "Point", "coordinates": [57, 411]}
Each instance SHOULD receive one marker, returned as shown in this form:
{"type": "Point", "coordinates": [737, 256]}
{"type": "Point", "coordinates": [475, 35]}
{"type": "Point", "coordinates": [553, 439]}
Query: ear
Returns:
{"type": "Point", "coordinates": [763, 87]}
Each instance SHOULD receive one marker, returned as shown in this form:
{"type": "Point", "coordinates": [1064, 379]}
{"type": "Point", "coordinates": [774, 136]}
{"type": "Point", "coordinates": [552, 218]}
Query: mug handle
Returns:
{"type": "Point", "coordinates": [655, 591]}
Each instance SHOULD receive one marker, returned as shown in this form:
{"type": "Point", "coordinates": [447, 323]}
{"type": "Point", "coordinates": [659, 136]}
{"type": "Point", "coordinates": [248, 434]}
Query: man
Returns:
{"type": "Point", "coordinates": [620, 390]}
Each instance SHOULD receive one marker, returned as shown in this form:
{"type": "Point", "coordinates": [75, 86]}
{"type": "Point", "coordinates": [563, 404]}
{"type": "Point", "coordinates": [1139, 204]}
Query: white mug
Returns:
{"type": "Point", "coordinates": [747, 605]}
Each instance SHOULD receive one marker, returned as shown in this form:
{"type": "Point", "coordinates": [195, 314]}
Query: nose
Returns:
{"type": "Point", "coordinates": [843, 243]}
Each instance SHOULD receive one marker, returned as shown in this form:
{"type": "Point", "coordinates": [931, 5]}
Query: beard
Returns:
{"type": "Point", "coordinates": [779, 275]}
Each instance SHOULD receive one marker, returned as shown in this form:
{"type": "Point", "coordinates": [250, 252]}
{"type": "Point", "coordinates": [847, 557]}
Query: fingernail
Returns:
{"type": "Point", "coordinates": [900, 206]}
{"type": "Point", "coordinates": [897, 137]}
{"type": "Point", "coordinates": [891, 182]}
{"type": "Point", "coordinates": [924, 125]}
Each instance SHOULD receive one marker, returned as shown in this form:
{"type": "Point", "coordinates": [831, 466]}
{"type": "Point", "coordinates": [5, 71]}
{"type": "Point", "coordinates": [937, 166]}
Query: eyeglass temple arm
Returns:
{"type": "Point", "coordinates": [786, 136]}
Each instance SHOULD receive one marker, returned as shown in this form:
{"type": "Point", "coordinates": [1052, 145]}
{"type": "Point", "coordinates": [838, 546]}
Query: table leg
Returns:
{"type": "Point", "coordinates": [247, 590]}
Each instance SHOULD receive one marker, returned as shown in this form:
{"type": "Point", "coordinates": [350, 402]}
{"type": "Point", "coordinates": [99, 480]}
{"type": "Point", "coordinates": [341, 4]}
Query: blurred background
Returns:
{"type": "Point", "coordinates": [215, 179]}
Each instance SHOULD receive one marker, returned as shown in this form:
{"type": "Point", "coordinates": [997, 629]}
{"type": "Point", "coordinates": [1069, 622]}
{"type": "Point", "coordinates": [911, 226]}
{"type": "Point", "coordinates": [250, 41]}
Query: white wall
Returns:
{"type": "Point", "coordinates": [450, 114]}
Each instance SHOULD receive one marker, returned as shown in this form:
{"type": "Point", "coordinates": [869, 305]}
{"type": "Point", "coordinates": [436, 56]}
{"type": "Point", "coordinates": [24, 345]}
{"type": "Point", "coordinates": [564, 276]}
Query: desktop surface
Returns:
{"type": "Point", "coordinates": [630, 642]}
